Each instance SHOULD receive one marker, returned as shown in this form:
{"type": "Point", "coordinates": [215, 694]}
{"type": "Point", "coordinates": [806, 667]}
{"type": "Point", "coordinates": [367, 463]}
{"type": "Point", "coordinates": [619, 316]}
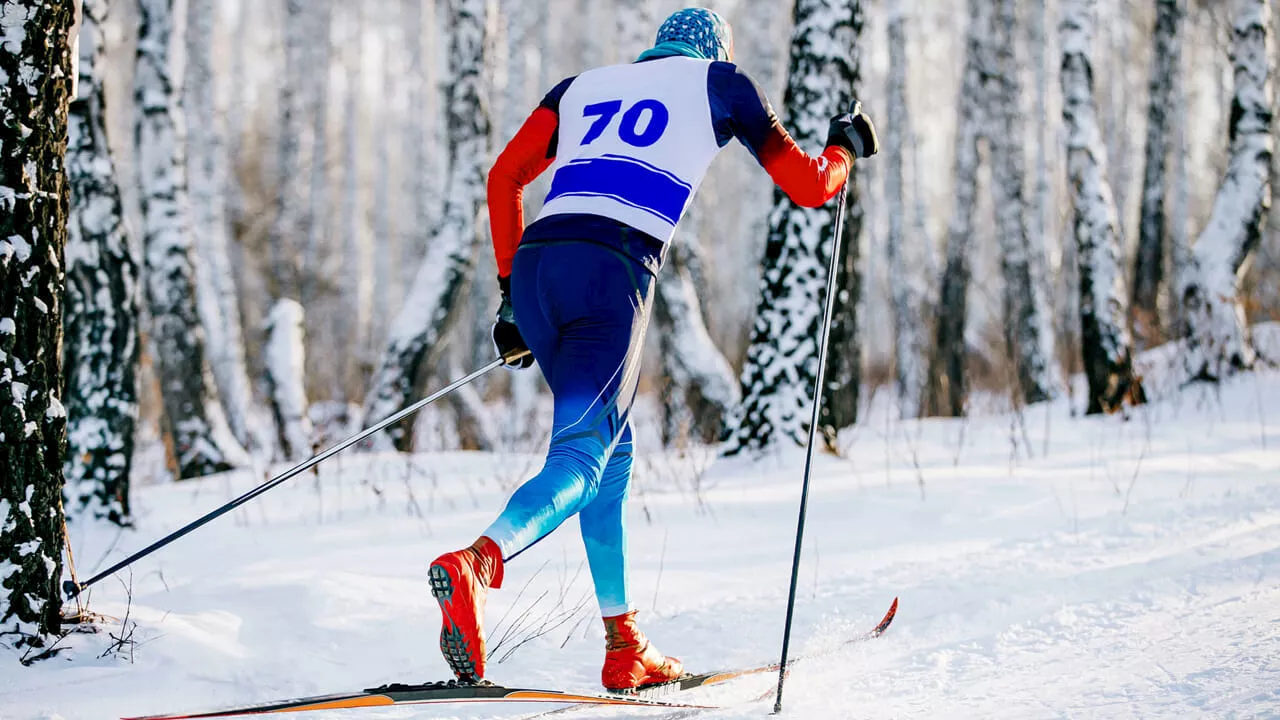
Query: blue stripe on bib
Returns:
{"type": "Point", "coordinates": [624, 179]}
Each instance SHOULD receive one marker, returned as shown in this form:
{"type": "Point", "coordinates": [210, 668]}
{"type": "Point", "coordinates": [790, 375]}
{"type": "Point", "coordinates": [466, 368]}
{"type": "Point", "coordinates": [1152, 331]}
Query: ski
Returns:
{"type": "Point", "coordinates": [658, 693]}
{"type": "Point", "coordinates": [439, 692]}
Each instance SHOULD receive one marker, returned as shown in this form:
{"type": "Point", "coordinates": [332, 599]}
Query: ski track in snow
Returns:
{"type": "Point", "coordinates": [1129, 572]}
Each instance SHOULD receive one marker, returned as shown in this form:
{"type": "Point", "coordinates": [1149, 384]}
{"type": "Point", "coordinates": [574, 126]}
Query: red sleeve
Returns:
{"type": "Point", "coordinates": [809, 181]}
{"type": "Point", "coordinates": [528, 154]}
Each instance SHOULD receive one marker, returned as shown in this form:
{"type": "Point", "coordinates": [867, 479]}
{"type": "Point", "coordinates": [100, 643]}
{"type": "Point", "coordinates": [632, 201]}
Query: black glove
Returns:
{"type": "Point", "coordinates": [506, 336]}
{"type": "Point", "coordinates": [854, 132]}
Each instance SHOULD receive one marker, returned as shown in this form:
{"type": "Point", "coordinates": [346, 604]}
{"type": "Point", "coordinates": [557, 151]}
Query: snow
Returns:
{"type": "Point", "coordinates": [1053, 567]}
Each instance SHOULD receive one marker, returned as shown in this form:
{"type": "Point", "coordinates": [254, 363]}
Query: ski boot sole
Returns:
{"type": "Point", "coordinates": [453, 644]}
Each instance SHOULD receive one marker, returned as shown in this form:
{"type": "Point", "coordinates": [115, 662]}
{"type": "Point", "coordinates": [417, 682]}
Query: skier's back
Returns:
{"type": "Point", "coordinates": [628, 146]}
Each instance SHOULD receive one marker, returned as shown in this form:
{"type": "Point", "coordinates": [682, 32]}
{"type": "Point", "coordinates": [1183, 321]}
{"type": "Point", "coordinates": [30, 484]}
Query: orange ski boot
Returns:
{"type": "Point", "coordinates": [460, 582]}
{"type": "Point", "coordinates": [630, 660]}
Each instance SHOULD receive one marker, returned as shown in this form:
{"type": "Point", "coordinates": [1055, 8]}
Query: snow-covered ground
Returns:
{"type": "Point", "coordinates": [1048, 566]}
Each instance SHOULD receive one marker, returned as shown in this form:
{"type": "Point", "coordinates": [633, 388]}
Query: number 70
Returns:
{"type": "Point", "coordinates": [629, 129]}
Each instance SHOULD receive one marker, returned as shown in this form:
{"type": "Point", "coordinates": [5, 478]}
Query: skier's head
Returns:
{"type": "Point", "coordinates": [699, 32]}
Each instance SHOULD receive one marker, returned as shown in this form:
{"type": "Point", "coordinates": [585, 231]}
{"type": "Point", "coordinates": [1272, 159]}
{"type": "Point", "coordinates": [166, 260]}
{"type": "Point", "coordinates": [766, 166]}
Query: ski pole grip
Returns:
{"type": "Point", "coordinates": [514, 356]}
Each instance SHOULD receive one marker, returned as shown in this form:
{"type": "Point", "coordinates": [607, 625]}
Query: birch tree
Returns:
{"type": "Point", "coordinates": [285, 356]}
{"type": "Point", "coordinates": [36, 86]}
{"type": "Point", "coordinates": [781, 367]}
{"type": "Point", "coordinates": [1105, 342]}
{"type": "Point", "coordinates": [428, 310]}
{"type": "Point", "coordinates": [947, 390]}
{"type": "Point", "coordinates": [352, 323]}
{"type": "Point", "coordinates": [700, 390]}
{"type": "Point", "coordinates": [100, 347]}
{"type": "Point", "coordinates": [909, 370]}
{"type": "Point", "coordinates": [202, 442]}
{"type": "Point", "coordinates": [1148, 266]}
{"type": "Point", "coordinates": [319, 56]}
{"type": "Point", "coordinates": [1026, 329]}
{"type": "Point", "coordinates": [1218, 341]}
{"type": "Point", "coordinates": [290, 168]}
{"type": "Point", "coordinates": [217, 295]}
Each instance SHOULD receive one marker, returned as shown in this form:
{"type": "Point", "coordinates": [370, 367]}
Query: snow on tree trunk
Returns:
{"type": "Point", "coordinates": [1105, 344]}
{"type": "Point", "coordinates": [1148, 265]}
{"type": "Point", "coordinates": [909, 368]}
{"type": "Point", "coordinates": [700, 389]}
{"type": "Point", "coordinates": [37, 77]}
{"type": "Point", "coordinates": [781, 367]}
{"type": "Point", "coordinates": [428, 311]}
{"type": "Point", "coordinates": [100, 347]}
{"type": "Point", "coordinates": [1026, 329]}
{"type": "Point", "coordinates": [844, 360]}
{"type": "Point", "coordinates": [202, 442]}
{"type": "Point", "coordinates": [947, 392]}
{"type": "Point", "coordinates": [1218, 341]}
{"type": "Point", "coordinates": [285, 357]}
{"type": "Point", "coordinates": [217, 296]}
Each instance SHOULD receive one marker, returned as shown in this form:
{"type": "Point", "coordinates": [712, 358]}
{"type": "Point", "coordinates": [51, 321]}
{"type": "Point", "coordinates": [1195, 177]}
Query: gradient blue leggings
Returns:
{"type": "Point", "coordinates": [583, 310]}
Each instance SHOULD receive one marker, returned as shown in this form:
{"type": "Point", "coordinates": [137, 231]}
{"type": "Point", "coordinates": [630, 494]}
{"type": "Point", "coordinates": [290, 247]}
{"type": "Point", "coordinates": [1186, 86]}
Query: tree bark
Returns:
{"type": "Point", "coordinates": [781, 368]}
{"type": "Point", "coordinates": [352, 323]}
{"type": "Point", "coordinates": [948, 384]}
{"type": "Point", "coordinates": [1027, 335]}
{"type": "Point", "coordinates": [429, 308]}
{"type": "Point", "coordinates": [202, 442]}
{"type": "Point", "coordinates": [36, 86]}
{"type": "Point", "coordinates": [1218, 341]}
{"type": "Point", "coordinates": [1148, 266]}
{"type": "Point", "coordinates": [1106, 346]}
{"type": "Point", "coordinates": [100, 348]}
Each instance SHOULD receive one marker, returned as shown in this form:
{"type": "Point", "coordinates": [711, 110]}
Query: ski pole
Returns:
{"type": "Point", "coordinates": [73, 589]}
{"type": "Point", "coordinates": [829, 312]}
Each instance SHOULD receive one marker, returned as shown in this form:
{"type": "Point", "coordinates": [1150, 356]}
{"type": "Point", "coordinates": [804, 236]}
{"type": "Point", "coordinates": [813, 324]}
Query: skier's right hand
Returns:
{"type": "Point", "coordinates": [506, 336]}
{"type": "Point", "coordinates": [854, 132]}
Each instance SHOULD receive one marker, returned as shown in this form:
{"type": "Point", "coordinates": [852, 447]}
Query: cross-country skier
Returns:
{"type": "Point", "coordinates": [628, 146]}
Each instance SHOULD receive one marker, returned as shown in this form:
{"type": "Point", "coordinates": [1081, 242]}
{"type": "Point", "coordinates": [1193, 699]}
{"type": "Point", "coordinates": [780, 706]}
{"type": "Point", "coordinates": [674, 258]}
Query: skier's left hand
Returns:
{"type": "Point", "coordinates": [506, 336]}
{"type": "Point", "coordinates": [854, 132]}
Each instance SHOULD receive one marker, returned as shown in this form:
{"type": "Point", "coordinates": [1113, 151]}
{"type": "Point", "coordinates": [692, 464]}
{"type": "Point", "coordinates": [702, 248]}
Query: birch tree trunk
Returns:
{"type": "Point", "coordinates": [202, 442]}
{"type": "Point", "coordinates": [285, 356]}
{"type": "Point", "coordinates": [37, 76]}
{"type": "Point", "coordinates": [908, 367]}
{"type": "Point", "coordinates": [1026, 329]}
{"type": "Point", "coordinates": [700, 390]}
{"type": "Point", "coordinates": [289, 218]}
{"type": "Point", "coordinates": [319, 57]}
{"type": "Point", "coordinates": [1148, 265]}
{"type": "Point", "coordinates": [1218, 341]}
{"type": "Point", "coordinates": [1179, 212]}
{"type": "Point", "coordinates": [352, 324]}
{"type": "Point", "coordinates": [100, 349]}
{"type": "Point", "coordinates": [844, 360]}
{"type": "Point", "coordinates": [1106, 346]}
{"type": "Point", "coordinates": [948, 390]}
{"type": "Point", "coordinates": [217, 296]}
{"type": "Point", "coordinates": [429, 308]}
{"type": "Point", "coordinates": [781, 368]}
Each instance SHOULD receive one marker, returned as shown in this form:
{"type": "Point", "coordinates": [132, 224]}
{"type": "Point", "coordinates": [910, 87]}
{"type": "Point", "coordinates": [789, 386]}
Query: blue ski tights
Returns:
{"type": "Point", "coordinates": [582, 308]}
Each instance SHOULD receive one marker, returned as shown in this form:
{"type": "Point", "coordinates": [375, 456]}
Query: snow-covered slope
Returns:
{"type": "Point", "coordinates": [1048, 566]}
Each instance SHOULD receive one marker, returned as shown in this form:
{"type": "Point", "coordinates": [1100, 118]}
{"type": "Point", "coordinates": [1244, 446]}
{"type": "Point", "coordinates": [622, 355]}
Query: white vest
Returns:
{"type": "Point", "coordinates": [634, 143]}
